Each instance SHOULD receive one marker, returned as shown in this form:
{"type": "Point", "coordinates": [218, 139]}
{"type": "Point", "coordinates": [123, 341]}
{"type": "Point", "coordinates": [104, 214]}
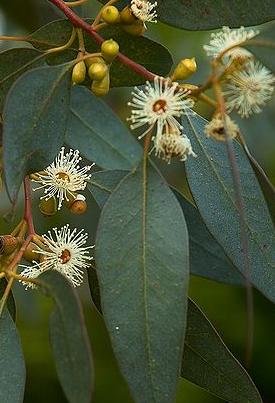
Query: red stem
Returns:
{"type": "Point", "coordinates": [79, 23]}
{"type": "Point", "coordinates": [28, 206]}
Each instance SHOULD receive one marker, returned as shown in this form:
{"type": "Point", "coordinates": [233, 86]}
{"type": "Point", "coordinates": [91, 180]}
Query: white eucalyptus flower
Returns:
{"type": "Point", "coordinates": [63, 177]}
{"type": "Point", "coordinates": [248, 90]}
{"type": "Point", "coordinates": [64, 252]}
{"type": "Point", "coordinates": [226, 38]}
{"type": "Point", "coordinates": [144, 10]}
{"type": "Point", "coordinates": [173, 144]}
{"type": "Point", "coordinates": [215, 128]}
{"type": "Point", "coordinates": [159, 104]}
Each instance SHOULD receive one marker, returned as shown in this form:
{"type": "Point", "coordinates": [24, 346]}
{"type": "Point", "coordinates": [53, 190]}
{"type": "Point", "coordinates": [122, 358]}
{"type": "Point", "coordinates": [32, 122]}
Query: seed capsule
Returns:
{"type": "Point", "coordinates": [97, 71]}
{"type": "Point", "coordinates": [184, 69]}
{"type": "Point", "coordinates": [126, 16]}
{"type": "Point", "coordinates": [48, 207]}
{"type": "Point", "coordinates": [109, 50]}
{"type": "Point", "coordinates": [101, 88]}
{"type": "Point", "coordinates": [8, 244]}
{"type": "Point", "coordinates": [110, 15]}
{"type": "Point", "coordinates": [135, 29]}
{"type": "Point", "coordinates": [29, 253]}
{"type": "Point", "coordinates": [79, 72]}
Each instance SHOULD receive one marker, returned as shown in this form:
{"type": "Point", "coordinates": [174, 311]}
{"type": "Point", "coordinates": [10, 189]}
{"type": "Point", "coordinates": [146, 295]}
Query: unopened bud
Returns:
{"type": "Point", "coordinates": [126, 16]}
{"type": "Point", "coordinates": [79, 206]}
{"type": "Point", "coordinates": [135, 29]}
{"type": "Point", "coordinates": [29, 254]}
{"type": "Point", "coordinates": [79, 72]}
{"type": "Point", "coordinates": [110, 15]}
{"type": "Point", "coordinates": [97, 71]}
{"type": "Point", "coordinates": [8, 244]}
{"type": "Point", "coordinates": [102, 87]}
{"type": "Point", "coordinates": [184, 69]}
{"type": "Point", "coordinates": [109, 50]}
{"type": "Point", "coordinates": [93, 59]}
{"type": "Point", "coordinates": [48, 207]}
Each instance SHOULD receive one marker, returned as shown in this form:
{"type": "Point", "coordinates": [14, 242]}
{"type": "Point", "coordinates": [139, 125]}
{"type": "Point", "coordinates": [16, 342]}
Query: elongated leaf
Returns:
{"type": "Point", "coordinates": [11, 301]}
{"type": "Point", "coordinates": [142, 261]}
{"type": "Point", "coordinates": [12, 365]}
{"type": "Point", "coordinates": [98, 134]}
{"type": "Point", "coordinates": [13, 63]}
{"type": "Point", "coordinates": [69, 339]}
{"type": "Point", "coordinates": [208, 363]}
{"type": "Point", "coordinates": [211, 183]}
{"type": "Point", "coordinates": [207, 14]}
{"type": "Point", "coordinates": [207, 258]}
{"type": "Point", "coordinates": [35, 118]}
{"type": "Point", "coordinates": [153, 55]}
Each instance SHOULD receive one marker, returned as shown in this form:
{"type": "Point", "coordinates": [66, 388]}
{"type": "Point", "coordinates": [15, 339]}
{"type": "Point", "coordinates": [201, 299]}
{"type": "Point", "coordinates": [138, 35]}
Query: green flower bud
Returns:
{"type": "Point", "coordinates": [101, 88]}
{"type": "Point", "coordinates": [184, 69]}
{"type": "Point", "coordinates": [110, 15]}
{"type": "Point", "coordinates": [97, 71]}
{"type": "Point", "coordinates": [79, 73]}
{"type": "Point", "coordinates": [109, 50]}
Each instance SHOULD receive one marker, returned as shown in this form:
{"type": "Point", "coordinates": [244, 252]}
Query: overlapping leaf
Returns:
{"type": "Point", "coordinates": [152, 55]}
{"type": "Point", "coordinates": [69, 339]}
{"type": "Point", "coordinates": [12, 365]}
{"type": "Point", "coordinates": [209, 14]}
{"type": "Point", "coordinates": [35, 119]}
{"type": "Point", "coordinates": [208, 363]}
{"type": "Point", "coordinates": [211, 183]}
{"type": "Point", "coordinates": [13, 63]}
{"type": "Point", "coordinates": [144, 283]}
{"type": "Point", "coordinates": [98, 133]}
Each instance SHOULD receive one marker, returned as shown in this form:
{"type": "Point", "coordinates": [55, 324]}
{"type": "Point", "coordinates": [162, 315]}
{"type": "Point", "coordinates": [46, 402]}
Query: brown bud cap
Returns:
{"type": "Point", "coordinates": [135, 29]}
{"type": "Point", "coordinates": [48, 207]}
{"type": "Point", "coordinates": [79, 206]}
{"type": "Point", "coordinates": [127, 17]}
{"type": "Point", "coordinates": [101, 88]}
{"type": "Point", "coordinates": [109, 50]}
{"type": "Point", "coordinates": [8, 244]}
{"type": "Point", "coordinates": [110, 15]}
{"type": "Point", "coordinates": [79, 72]}
{"type": "Point", "coordinates": [97, 71]}
{"type": "Point", "coordinates": [184, 69]}
{"type": "Point", "coordinates": [30, 255]}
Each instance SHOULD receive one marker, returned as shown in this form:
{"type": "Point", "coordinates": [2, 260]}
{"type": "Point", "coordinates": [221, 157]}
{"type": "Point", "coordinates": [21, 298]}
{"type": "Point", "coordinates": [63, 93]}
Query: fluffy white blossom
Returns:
{"type": "Point", "coordinates": [215, 128]}
{"type": "Point", "coordinates": [63, 177]}
{"type": "Point", "coordinates": [64, 252]}
{"type": "Point", "coordinates": [159, 104]}
{"type": "Point", "coordinates": [248, 89]}
{"type": "Point", "coordinates": [144, 10]}
{"type": "Point", "coordinates": [226, 38]}
{"type": "Point", "coordinates": [173, 144]}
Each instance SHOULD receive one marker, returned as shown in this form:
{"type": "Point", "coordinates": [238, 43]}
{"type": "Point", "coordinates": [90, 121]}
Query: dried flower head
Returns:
{"type": "Point", "coordinates": [216, 128]}
{"type": "Point", "coordinates": [173, 144]}
{"type": "Point", "coordinates": [63, 177]}
{"type": "Point", "coordinates": [65, 254]}
{"type": "Point", "coordinates": [225, 39]}
{"type": "Point", "coordinates": [144, 10]}
{"type": "Point", "coordinates": [247, 90]}
{"type": "Point", "coordinates": [159, 104]}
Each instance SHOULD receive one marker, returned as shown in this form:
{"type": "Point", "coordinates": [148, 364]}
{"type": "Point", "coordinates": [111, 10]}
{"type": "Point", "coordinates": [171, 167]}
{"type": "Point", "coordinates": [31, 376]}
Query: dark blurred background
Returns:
{"type": "Point", "coordinates": [224, 305]}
